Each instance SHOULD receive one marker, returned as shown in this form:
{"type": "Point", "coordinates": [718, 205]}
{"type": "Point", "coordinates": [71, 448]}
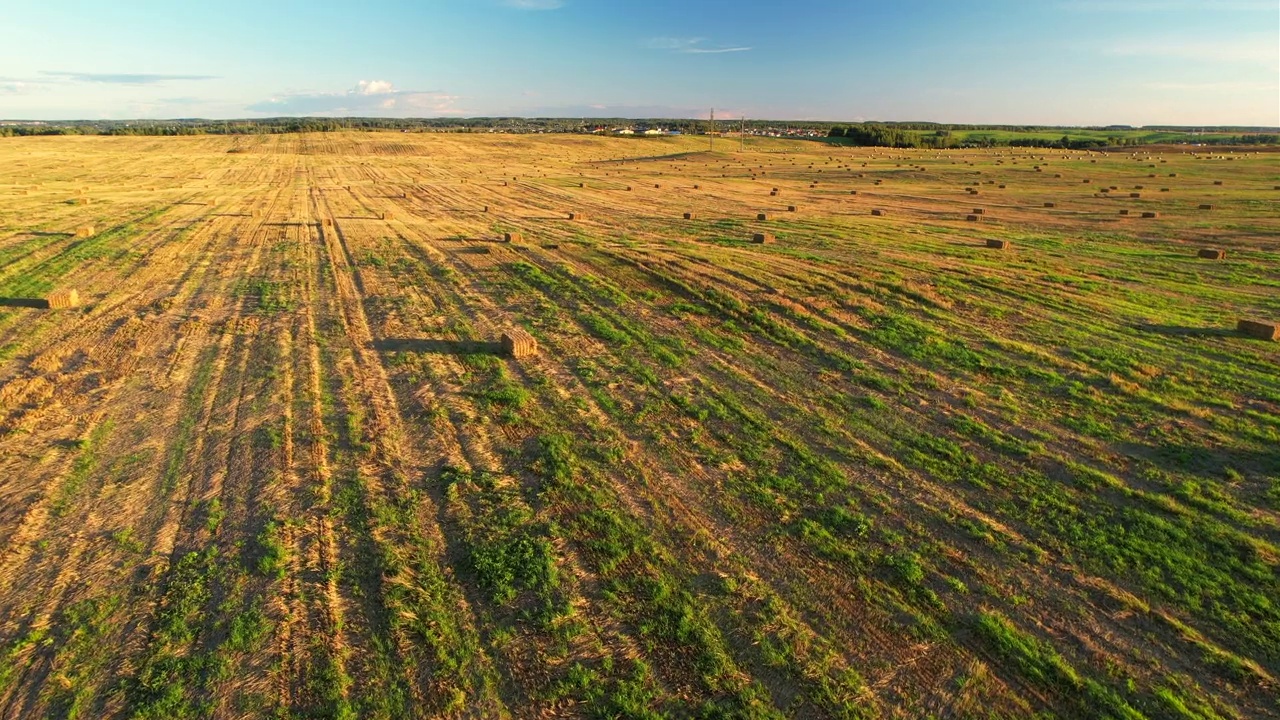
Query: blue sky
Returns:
{"type": "Point", "coordinates": [1081, 62]}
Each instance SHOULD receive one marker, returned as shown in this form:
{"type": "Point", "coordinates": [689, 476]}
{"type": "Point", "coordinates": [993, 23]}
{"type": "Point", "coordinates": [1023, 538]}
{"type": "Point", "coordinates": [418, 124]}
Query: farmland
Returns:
{"type": "Point", "coordinates": [275, 464]}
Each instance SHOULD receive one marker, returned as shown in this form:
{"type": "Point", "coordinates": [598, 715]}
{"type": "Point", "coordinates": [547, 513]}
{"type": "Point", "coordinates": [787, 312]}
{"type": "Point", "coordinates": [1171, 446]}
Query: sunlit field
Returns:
{"type": "Point", "coordinates": [275, 462]}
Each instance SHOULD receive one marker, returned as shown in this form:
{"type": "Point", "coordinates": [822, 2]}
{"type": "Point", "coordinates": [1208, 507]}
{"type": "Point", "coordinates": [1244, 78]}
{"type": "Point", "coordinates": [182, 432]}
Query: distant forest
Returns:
{"type": "Point", "coordinates": [887, 134]}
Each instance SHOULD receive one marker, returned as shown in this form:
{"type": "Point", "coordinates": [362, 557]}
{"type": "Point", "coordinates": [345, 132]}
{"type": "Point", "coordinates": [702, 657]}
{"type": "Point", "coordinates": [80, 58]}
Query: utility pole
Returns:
{"type": "Point", "coordinates": [712, 134]}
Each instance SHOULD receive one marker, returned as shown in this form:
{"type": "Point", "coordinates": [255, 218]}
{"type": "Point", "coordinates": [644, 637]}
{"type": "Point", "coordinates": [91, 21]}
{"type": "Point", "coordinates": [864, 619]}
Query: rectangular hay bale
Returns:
{"type": "Point", "coordinates": [1212, 254]}
{"type": "Point", "coordinates": [998, 244]}
{"type": "Point", "coordinates": [519, 343]}
{"type": "Point", "coordinates": [62, 299]}
{"type": "Point", "coordinates": [1261, 330]}
{"type": "Point", "coordinates": [763, 238]}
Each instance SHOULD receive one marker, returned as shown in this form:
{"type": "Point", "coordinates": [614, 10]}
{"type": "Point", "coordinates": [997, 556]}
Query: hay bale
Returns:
{"type": "Point", "coordinates": [657, 185]}
{"type": "Point", "coordinates": [84, 231]}
{"type": "Point", "coordinates": [577, 216]}
{"type": "Point", "coordinates": [791, 208]}
{"type": "Point", "coordinates": [878, 212]}
{"type": "Point", "coordinates": [973, 218]}
{"type": "Point", "coordinates": [82, 201]}
{"type": "Point", "coordinates": [998, 244]}
{"type": "Point", "coordinates": [689, 216]}
{"type": "Point", "coordinates": [388, 216]}
{"type": "Point", "coordinates": [62, 299]}
{"type": "Point", "coordinates": [551, 246]}
{"type": "Point", "coordinates": [512, 237]}
{"type": "Point", "coordinates": [1164, 189]}
{"type": "Point", "coordinates": [697, 187]}
{"type": "Point", "coordinates": [328, 222]}
{"type": "Point", "coordinates": [763, 238]}
{"type": "Point", "coordinates": [1217, 182]}
{"type": "Point", "coordinates": [519, 343]}
{"type": "Point", "coordinates": [853, 192]}
{"type": "Point", "coordinates": [979, 211]}
{"type": "Point", "coordinates": [762, 216]}
{"type": "Point", "coordinates": [1261, 330]}
{"type": "Point", "coordinates": [1173, 174]}
{"type": "Point", "coordinates": [1001, 187]}
{"type": "Point", "coordinates": [1135, 195]}
{"type": "Point", "coordinates": [1050, 204]}
{"type": "Point", "coordinates": [1212, 254]}
{"type": "Point", "coordinates": [1150, 214]}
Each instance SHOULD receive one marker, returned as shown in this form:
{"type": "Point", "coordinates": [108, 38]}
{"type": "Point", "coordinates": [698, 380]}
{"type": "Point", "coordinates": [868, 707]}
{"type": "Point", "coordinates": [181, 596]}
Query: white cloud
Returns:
{"type": "Point", "coordinates": [671, 43]}
{"type": "Point", "coordinates": [373, 87]}
{"type": "Point", "coordinates": [709, 51]}
{"type": "Point", "coordinates": [124, 78]}
{"type": "Point", "coordinates": [15, 87]}
{"type": "Point", "coordinates": [689, 45]}
{"type": "Point", "coordinates": [1258, 49]}
{"type": "Point", "coordinates": [368, 97]}
{"type": "Point", "coordinates": [534, 4]}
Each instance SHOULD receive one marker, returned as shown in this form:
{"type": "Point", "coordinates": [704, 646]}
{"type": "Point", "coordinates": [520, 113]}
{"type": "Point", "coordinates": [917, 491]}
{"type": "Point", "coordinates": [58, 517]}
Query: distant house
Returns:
{"type": "Point", "coordinates": [655, 131]}
{"type": "Point", "coordinates": [624, 131]}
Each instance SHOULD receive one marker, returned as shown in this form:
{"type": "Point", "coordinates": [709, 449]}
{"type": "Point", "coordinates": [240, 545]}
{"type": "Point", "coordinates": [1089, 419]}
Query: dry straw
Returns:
{"type": "Point", "coordinates": [1261, 330]}
{"type": "Point", "coordinates": [519, 343]}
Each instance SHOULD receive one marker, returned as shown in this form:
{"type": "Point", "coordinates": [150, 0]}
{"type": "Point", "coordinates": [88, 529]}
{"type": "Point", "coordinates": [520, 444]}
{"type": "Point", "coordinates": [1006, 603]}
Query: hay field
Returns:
{"type": "Point", "coordinates": [275, 465]}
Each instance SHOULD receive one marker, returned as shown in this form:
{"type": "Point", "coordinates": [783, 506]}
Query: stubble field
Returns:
{"type": "Point", "coordinates": [275, 464]}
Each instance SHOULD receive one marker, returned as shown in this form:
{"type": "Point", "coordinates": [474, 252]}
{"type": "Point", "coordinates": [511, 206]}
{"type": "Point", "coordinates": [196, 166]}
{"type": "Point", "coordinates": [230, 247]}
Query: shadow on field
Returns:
{"type": "Point", "coordinates": [437, 345]}
{"type": "Point", "coordinates": [1207, 461]}
{"type": "Point", "coordinates": [1184, 331]}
